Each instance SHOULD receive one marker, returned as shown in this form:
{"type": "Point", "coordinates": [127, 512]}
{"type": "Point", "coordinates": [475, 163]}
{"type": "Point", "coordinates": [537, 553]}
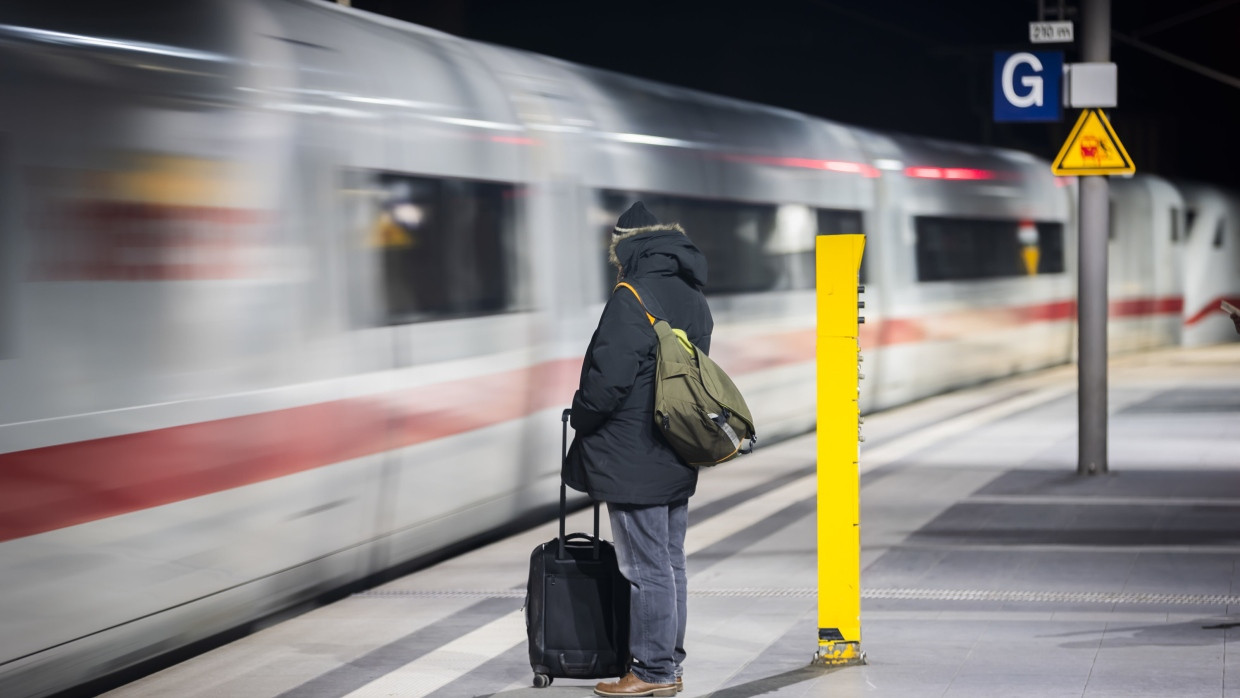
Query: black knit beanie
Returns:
{"type": "Point", "coordinates": [636, 217]}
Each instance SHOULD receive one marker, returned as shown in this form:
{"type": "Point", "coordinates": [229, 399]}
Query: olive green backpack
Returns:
{"type": "Point", "coordinates": [697, 407]}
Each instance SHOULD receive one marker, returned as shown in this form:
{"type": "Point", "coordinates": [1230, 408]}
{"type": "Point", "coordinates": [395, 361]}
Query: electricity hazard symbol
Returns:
{"type": "Point", "coordinates": [1093, 149]}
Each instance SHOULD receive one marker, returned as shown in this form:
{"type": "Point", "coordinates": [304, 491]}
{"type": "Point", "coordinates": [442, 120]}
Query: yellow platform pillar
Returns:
{"type": "Point", "coordinates": [838, 265]}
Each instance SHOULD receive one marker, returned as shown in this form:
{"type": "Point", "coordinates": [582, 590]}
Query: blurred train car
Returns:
{"type": "Point", "coordinates": [1211, 239]}
{"type": "Point", "coordinates": [1145, 258]}
{"type": "Point", "coordinates": [290, 295]}
{"type": "Point", "coordinates": [970, 267]}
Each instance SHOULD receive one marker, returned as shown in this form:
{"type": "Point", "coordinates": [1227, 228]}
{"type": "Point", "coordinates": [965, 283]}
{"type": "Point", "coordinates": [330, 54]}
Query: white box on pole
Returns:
{"type": "Point", "coordinates": [1092, 85]}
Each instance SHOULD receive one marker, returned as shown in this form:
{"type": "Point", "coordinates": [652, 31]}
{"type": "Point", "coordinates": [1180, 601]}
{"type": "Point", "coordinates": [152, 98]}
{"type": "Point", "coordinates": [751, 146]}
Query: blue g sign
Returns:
{"type": "Point", "coordinates": [1027, 85]}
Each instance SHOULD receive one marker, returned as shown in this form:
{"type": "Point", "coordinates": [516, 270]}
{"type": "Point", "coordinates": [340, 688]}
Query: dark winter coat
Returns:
{"type": "Point", "coordinates": [617, 454]}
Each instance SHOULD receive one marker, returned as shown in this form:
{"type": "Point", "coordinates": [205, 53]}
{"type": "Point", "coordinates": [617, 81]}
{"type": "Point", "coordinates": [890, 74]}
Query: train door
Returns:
{"type": "Point", "coordinates": [1167, 254]}
{"type": "Point", "coordinates": [889, 271]}
{"type": "Point", "coordinates": [559, 130]}
{"type": "Point", "coordinates": [435, 194]}
{"type": "Point", "coordinates": [563, 252]}
{"type": "Point", "coordinates": [1130, 275]}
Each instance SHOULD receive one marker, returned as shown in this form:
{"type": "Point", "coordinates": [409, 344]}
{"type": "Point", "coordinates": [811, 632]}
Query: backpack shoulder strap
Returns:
{"type": "Point", "coordinates": [639, 299]}
{"type": "Point", "coordinates": [664, 330]}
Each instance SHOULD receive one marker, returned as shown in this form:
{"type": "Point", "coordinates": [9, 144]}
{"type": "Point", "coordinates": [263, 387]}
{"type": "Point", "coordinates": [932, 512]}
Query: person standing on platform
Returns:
{"type": "Point", "coordinates": [618, 457]}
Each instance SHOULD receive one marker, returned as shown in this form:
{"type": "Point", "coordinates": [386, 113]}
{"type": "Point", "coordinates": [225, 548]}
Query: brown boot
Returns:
{"type": "Point", "coordinates": [680, 684]}
{"type": "Point", "coordinates": [630, 685]}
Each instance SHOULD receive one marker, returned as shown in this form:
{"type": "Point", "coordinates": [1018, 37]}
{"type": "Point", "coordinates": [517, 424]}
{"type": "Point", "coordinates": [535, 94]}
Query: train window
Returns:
{"type": "Point", "coordinates": [1190, 215]}
{"type": "Point", "coordinates": [1175, 225]}
{"type": "Point", "coordinates": [833, 222]}
{"type": "Point", "coordinates": [749, 247]}
{"type": "Point", "coordinates": [961, 249]}
{"type": "Point", "coordinates": [444, 245]}
{"type": "Point", "coordinates": [1218, 232]}
{"type": "Point", "coordinates": [836, 222]}
{"type": "Point", "coordinates": [1050, 248]}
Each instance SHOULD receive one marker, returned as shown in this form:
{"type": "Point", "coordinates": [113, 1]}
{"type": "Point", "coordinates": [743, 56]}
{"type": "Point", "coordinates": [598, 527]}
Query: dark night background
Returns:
{"type": "Point", "coordinates": [914, 66]}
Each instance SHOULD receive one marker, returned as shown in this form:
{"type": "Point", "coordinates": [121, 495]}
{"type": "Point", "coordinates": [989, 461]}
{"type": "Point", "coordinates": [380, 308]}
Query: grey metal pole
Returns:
{"type": "Point", "coordinates": [1096, 31]}
{"type": "Point", "coordinates": [1092, 277]}
{"type": "Point", "coordinates": [1092, 328]}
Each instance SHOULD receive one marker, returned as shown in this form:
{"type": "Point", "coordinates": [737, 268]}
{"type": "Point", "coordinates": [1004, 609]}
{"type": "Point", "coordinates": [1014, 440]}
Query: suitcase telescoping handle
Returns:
{"type": "Point", "coordinates": [564, 492]}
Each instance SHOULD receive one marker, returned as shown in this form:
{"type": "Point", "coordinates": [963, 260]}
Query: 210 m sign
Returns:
{"type": "Point", "coordinates": [1050, 32]}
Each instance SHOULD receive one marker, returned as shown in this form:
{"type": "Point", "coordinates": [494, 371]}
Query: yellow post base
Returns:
{"type": "Point", "coordinates": [837, 654]}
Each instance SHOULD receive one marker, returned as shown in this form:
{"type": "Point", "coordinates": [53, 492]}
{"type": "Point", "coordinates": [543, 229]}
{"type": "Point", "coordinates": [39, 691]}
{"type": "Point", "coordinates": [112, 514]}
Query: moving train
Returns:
{"type": "Point", "coordinates": [291, 295]}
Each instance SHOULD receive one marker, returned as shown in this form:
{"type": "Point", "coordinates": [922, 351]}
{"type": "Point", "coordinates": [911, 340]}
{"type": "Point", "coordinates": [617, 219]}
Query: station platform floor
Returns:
{"type": "Point", "coordinates": [989, 568]}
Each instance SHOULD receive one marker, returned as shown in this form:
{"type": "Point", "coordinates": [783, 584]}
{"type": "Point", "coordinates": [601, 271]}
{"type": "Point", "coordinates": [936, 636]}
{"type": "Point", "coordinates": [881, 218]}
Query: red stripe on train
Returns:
{"type": "Point", "coordinates": [953, 326]}
{"type": "Point", "coordinates": [1147, 306]}
{"type": "Point", "coordinates": [1212, 307]}
{"type": "Point", "coordinates": [47, 488]}
{"type": "Point", "coordinates": [44, 489]}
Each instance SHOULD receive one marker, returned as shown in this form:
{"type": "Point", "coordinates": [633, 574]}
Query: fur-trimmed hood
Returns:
{"type": "Point", "coordinates": [661, 250]}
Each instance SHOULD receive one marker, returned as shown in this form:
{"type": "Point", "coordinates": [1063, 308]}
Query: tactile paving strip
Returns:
{"type": "Point", "coordinates": [897, 594]}
{"type": "Point", "coordinates": [520, 593]}
{"type": "Point", "coordinates": [1051, 596]}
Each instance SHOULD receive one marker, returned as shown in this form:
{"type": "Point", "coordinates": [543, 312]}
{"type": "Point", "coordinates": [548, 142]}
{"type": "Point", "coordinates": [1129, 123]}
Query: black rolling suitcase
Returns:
{"type": "Point", "coordinates": [576, 604]}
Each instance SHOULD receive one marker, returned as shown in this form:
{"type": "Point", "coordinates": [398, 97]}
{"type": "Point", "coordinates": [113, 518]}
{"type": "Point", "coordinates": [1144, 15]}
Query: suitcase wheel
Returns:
{"type": "Point", "coordinates": [541, 681]}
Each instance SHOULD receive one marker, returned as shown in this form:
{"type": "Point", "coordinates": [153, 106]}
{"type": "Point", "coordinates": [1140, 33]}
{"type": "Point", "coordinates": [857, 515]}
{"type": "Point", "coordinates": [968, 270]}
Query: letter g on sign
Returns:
{"type": "Point", "coordinates": [1033, 82]}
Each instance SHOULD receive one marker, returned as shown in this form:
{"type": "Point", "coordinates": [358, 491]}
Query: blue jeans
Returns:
{"type": "Point", "coordinates": [650, 546]}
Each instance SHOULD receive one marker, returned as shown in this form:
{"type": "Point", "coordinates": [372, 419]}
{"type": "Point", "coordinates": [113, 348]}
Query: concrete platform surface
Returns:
{"type": "Point", "coordinates": [989, 568]}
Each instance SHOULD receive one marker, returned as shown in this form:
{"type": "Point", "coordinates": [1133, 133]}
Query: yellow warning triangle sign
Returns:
{"type": "Point", "coordinates": [1093, 149]}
